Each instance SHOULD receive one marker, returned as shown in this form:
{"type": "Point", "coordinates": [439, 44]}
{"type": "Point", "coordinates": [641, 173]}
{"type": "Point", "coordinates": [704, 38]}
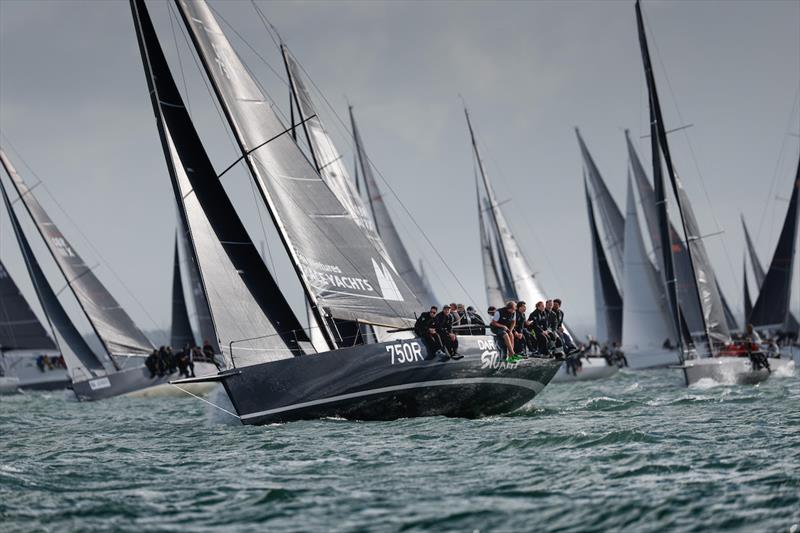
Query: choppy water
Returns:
{"type": "Point", "coordinates": [637, 452]}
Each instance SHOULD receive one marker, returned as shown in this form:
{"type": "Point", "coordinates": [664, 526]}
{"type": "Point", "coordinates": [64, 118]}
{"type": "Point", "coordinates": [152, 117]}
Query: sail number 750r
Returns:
{"type": "Point", "coordinates": [405, 352]}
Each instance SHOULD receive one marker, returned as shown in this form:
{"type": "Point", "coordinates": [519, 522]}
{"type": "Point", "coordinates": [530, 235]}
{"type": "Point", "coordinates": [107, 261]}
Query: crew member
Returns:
{"type": "Point", "coordinates": [539, 325]}
{"type": "Point", "coordinates": [502, 325]}
{"type": "Point", "coordinates": [425, 329]}
{"type": "Point", "coordinates": [445, 321]}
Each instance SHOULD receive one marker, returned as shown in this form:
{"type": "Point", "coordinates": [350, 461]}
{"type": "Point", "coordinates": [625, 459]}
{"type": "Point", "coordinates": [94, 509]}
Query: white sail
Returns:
{"type": "Point", "coordinates": [645, 318]}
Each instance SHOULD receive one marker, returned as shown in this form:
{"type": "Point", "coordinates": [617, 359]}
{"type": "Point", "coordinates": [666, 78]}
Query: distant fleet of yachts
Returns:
{"type": "Point", "coordinates": [355, 355]}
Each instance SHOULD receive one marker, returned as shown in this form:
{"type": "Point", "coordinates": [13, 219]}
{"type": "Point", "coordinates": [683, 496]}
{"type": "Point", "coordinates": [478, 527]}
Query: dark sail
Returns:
{"type": "Point", "coordinates": [112, 324]}
{"type": "Point", "coordinates": [205, 324]}
{"type": "Point", "coordinates": [181, 331]}
{"type": "Point", "coordinates": [610, 213]}
{"type": "Point", "coordinates": [771, 309]}
{"type": "Point", "coordinates": [748, 303]}
{"type": "Point", "coordinates": [340, 268]}
{"type": "Point", "coordinates": [608, 302]}
{"type": "Point", "coordinates": [81, 361]}
{"type": "Point", "coordinates": [730, 318]}
{"type": "Point", "coordinates": [250, 314]}
{"type": "Point", "coordinates": [386, 228]}
{"type": "Point", "coordinates": [20, 329]}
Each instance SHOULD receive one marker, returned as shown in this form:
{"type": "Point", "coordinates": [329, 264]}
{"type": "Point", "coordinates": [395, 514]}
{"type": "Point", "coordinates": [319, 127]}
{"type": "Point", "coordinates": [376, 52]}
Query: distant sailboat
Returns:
{"type": "Point", "coordinates": [510, 274]}
{"type": "Point", "coordinates": [120, 369]}
{"type": "Point", "coordinates": [275, 374]}
{"type": "Point", "coordinates": [715, 328]}
{"type": "Point", "coordinates": [24, 342]}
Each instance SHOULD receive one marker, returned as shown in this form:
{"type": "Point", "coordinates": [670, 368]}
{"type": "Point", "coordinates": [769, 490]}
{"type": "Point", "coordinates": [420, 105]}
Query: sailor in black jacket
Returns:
{"type": "Point", "coordinates": [445, 321]}
{"type": "Point", "coordinates": [566, 340]}
{"type": "Point", "coordinates": [539, 324]}
{"type": "Point", "coordinates": [523, 339]}
{"type": "Point", "coordinates": [425, 329]}
{"type": "Point", "coordinates": [502, 326]}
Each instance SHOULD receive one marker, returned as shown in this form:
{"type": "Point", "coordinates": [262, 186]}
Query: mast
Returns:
{"type": "Point", "coordinates": [658, 185]}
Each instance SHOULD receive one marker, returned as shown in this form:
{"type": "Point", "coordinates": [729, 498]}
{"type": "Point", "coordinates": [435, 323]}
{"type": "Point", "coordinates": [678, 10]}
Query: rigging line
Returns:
{"type": "Point", "coordinates": [82, 234]}
{"type": "Point", "coordinates": [215, 406]}
{"type": "Point", "coordinates": [178, 51]}
{"type": "Point", "coordinates": [789, 126]}
{"type": "Point", "coordinates": [695, 161]}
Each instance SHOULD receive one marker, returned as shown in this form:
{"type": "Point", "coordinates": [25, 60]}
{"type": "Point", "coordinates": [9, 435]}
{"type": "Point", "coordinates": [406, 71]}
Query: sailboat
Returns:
{"type": "Point", "coordinates": [29, 359]}
{"type": "Point", "coordinates": [120, 369]}
{"type": "Point", "coordinates": [508, 274]}
{"type": "Point", "coordinates": [274, 373]}
{"type": "Point", "coordinates": [708, 360]}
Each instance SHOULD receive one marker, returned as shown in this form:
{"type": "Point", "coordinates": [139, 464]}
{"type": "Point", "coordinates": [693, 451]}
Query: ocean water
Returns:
{"type": "Point", "coordinates": [638, 452]}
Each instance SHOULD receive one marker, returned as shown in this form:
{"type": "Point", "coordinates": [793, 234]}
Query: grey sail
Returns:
{"type": "Point", "coordinates": [758, 270]}
{"type": "Point", "coordinates": [181, 328]}
{"type": "Point", "coordinates": [612, 220]}
{"type": "Point", "coordinates": [81, 360]}
{"type": "Point", "coordinates": [386, 228]}
{"type": "Point", "coordinates": [496, 292]}
{"type": "Point", "coordinates": [327, 158]}
{"type": "Point", "coordinates": [730, 318]}
{"type": "Point", "coordinates": [688, 301]}
{"type": "Point", "coordinates": [608, 302]}
{"type": "Point", "coordinates": [113, 326]}
{"type": "Point", "coordinates": [771, 308]}
{"type": "Point", "coordinates": [253, 321]}
{"type": "Point", "coordinates": [20, 329]}
{"type": "Point", "coordinates": [205, 325]}
{"type": "Point", "coordinates": [342, 272]}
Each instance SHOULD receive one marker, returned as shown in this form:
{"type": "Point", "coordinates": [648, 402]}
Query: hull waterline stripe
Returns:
{"type": "Point", "coordinates": [535, 386]}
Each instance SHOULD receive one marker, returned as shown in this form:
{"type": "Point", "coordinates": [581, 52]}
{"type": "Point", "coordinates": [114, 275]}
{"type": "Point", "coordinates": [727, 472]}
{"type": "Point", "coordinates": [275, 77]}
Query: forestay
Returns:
{"type": "Point", "coordinates": [251, 317]}
{"type": "Point", "coordinates": [339, 266]}
{"type": "Point", "coordinates": [112, 324]}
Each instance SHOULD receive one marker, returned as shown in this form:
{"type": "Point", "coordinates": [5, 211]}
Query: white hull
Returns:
{"type": "Point", "coordinates": [593, 368]}
{"type": "Point", "coordinates": [723, 370]}
{"type": "Point", "coordinates": [655, 358]}
{"type": "Point", "coordinates": [21, 365]}
{"type": "Point", "coordinates": [166, 390]}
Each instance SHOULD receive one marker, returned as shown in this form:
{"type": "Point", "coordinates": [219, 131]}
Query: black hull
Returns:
{"type": "Point", "coordinates": [387, 381]}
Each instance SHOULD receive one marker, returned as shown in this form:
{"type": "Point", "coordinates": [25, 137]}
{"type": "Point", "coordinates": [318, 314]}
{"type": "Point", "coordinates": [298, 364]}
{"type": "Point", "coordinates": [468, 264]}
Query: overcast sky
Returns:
{"type": "Point", "coordinates": [74, 104]}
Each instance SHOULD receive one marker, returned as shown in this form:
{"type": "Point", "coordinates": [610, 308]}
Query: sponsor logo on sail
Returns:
{"type": "Point", "coordinates": [386, 282]}
{"type": "Point", "coordinates": [61, 245]}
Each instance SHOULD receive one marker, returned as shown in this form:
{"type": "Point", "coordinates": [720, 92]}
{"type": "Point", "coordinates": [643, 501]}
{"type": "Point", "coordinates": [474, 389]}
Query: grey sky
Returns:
{"type": "Point", "coordinates": [73, 101]}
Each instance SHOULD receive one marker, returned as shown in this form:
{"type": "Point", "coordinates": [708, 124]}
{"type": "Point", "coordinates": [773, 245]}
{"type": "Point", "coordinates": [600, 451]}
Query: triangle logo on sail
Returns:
{"type": "Point", "coordinates": [388, 287]}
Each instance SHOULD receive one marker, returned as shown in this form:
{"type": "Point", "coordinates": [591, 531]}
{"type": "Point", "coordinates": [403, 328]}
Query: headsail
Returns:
{"type": "Point", "coordinates": [748, 302]}
{"type": "Point", "coordinates": [386, 228]}
{"type": "Point", "coordinates": [771, 309]}
{"type": "Point", "coordinates": [181, 329]}
{"type": "Point", "coordinates": [112, 324]}
{"type": "Point", "coordinates": [81, 360]}
{"type": "Point", "coordinates": [758, 269]}
{"type": "Point", "coordinates": [20, 329]}
{"type": "Point", "coordinates": [610, 214]}
{"type": "Point", "coordinates": [251, 317]}
{"type": "Point", "coordinates": [496, 293]}
{"type": "Point", "coordinates": [340, 268]}
{"type": "Point", "coordinates": [645, 316]}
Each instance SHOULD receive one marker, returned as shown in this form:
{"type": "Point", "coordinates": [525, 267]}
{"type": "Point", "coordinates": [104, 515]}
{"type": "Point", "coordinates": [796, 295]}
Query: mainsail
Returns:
{"type": "Point", "coordinates": [20, 329]}
{"type": "Point", "coordinates": [251, 317]}
{"type": "Point", "coordinates": [771, 309]}
{"type": "Point", "coordinates": [112, 324]}
{"type": "Point", "coordinates": [607, 300]}
{"type": "Point", "coordinates": [342, 271]}
{"type": "Point", "coordinates": [496, 291]}
{"type": "Point", "coordinates": [386, 228]}
{"type": "Point", "coordinates": [645, 317]}
{"type": "Point", "coordinates": [758, 269]}
{"type": "Point", "coordinates": [81, 360]}
{"type": "Point", "coordinates": [181, 328]}
{"type": "Point", "coordinates": [610, 214]}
